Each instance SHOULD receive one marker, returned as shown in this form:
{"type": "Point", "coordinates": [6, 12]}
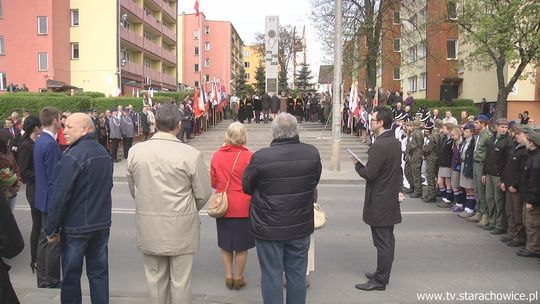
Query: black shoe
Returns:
{"type": "Point", "coordinates": [429, 200]}
{"type": "Point", "coordinates": [505, 238]}
{"type": "Point", "coordinates": [409, 190]}
{"type": "Point", "coordinates": [369, 275]}
{"type": "Point", "coordinates": [488, 228]}
{"type": "Point", "coordinates": [370, 285]}
{"type": "Point", "coordinates": [497, 231]}
{"type": "Point", "coordinates": [415, 195]}
{"type": "Point", "coordinates": [515, 243]}
{"type": "Point", "coordinates": [526, 253]}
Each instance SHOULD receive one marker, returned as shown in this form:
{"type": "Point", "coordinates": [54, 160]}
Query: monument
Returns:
{"type": "Point", "coordinates": [271, 38]}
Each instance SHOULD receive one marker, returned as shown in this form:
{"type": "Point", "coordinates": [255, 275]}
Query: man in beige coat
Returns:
{"type": "Point", "coordinates": [170, 184]}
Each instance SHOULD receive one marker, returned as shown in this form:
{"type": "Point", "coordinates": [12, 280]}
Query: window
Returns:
{"type": "Point", "coordinates": [422, 51]}
{"type": "Point", "coordinates": [451, 10]}
{"type": "Point", "coordinates": [196, 34]}
{"type": "Point", "coordinates": [42, 25]}
{"type": "Point", "coordinates": [3, 81]}
{"type": "Point", "coordinates": [2, 45]}
{"type": "Point", "coordinates": [196, 83]}
{"type": "Point", "coordinates": [196, 67]}
{"type": "Point", "coordinates": [207, 46]}
{"type": "Point", "coordinates": [43, 61]}
{"type": "Point", "coordinates": [412, 83]}
{"type": "Point", "coordinates": [147, 63]}
{"type": "Point", "coordinates": [147, 36]}
{"type": "Point", "coordinates": [423, 81]}
{"type": "Point", "coordinates": [125, 55]}
{"type": "Point", "coordinates": [74, 17]}
{"type": "Point", "coordinates": [206, 62]}
{"type": "Point", "coordinates": [207, 30]}
{"type": "Point", "coordinates": [147, 11]}
{"type": "Point", "coordinates": [412, 53]}
{"type": "Point", "coordinates": [247, 76]}
{"type": "Point", "coordinates": [196, 51]}
{"type": "Point", "coordinates": [451, 49]}
{"type": "Point", "coordinates": [246, 64]}
{"type": "Point", "coordinates": [207, 78]}
{"type": "Point", "coordinates": [397, 73]}
{"type": "Point", "coordinates": [397, 18]}
{"type": "Point", "coordinates": [74, 50]}
{"type": "Point", "coordinates": [246, 53]}
{"type": "Point", "coordinates": [397, 45]}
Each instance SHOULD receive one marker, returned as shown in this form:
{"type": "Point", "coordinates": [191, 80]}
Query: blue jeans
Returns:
{"type": "Point", "coordinates": [283, 256]}
{"type": "Point", "coordinates": [93, 246]}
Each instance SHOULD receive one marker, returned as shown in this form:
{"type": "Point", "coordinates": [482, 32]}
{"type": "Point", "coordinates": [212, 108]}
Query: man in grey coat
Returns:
{"type": "Point", "coordinates": [384, 186]}
{"type": "Point", "coordinates": [115, 133]}
{"type": "Point", "coordinates": [128, 132]}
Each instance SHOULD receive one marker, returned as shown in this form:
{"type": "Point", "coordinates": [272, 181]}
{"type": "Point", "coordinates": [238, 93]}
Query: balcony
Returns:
{"type": "Point", "coordinates": [167, 8]}
{"type": "Point", "coordinates": [170, 80]}
{"type": "Point", "coordinates": [153, 74]}
{"type": "Point", "coordinates": [169, 56]}
{"type": "Point", "coordinates": [153, 22]}
{"type": "Point", "coordinates": [133, 68]}
{"type": "Point", "coordinates": [133, 8]}
{"type": "Point", "coordinates": [168, 33]}
{"type": "Point", "coordinates": [152, 48]}
{"type": "Point", "coordinates": [131, 37]}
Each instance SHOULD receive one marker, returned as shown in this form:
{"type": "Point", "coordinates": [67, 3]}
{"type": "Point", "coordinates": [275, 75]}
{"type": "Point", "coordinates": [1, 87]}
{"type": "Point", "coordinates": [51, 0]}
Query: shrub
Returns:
{"type": "Point", "coordinates": [92, 94]}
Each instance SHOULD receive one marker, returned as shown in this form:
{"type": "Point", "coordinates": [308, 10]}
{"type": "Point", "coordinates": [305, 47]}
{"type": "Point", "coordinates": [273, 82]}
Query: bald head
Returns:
{"type": "Point", "coordinates": [77, 125]}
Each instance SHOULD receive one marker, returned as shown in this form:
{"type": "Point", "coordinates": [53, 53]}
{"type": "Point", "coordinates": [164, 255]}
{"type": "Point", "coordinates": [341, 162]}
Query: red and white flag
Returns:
{"type": "Point", "coordinates": [196, 7]}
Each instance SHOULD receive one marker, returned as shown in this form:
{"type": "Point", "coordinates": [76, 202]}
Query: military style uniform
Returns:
{"type": "Point", "coordinates": [480, 149]}
{"type": "Point", "coordinates": [431, 154]}
{"type": "Point", "coordinates": [413, 165]}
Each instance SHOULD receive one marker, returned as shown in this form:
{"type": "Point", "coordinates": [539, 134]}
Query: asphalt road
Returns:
{"type": "Point", "coordinates": [436, 252]}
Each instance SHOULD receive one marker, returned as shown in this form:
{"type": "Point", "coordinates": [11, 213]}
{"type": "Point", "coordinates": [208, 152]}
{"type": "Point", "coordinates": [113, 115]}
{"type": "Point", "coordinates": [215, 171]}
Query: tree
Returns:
{"type": "Point", "coordinates": [250, 90]}
{"type": "Point", "coordinates": [240, 83]}
{"type": "Point", "coordinates": [503, 33]}
{"type": "Point", "coordinates": [260, 78]}
{"type": "Point", "coordinates": [303, 79]}
{"type": "Point", "coordinates": [283, 86]}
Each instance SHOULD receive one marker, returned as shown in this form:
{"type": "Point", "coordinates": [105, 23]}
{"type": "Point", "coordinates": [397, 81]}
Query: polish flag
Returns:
{"type": "Point", "coordinates": [196, 7]}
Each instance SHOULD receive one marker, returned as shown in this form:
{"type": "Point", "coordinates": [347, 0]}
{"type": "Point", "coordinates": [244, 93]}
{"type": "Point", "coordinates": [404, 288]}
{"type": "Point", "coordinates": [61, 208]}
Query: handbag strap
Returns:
{"type": "Point", "coordinates": [232, 169]}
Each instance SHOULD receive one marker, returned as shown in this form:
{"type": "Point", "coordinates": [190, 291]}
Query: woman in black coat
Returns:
{"type": "Point", "coordinates": [241, 110]}
{"type": "Point", "coordinates": [257, 107]}
{"type": "Point", "coordinates": [299, 109]}
{"type": "Point", "coordinates": [25, 161]}
{"type": "Point", "coordinates": [249, 109]}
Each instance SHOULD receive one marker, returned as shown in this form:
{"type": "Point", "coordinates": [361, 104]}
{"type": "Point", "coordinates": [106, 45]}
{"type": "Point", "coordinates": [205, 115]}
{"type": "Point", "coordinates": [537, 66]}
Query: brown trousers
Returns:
{"type": "Point", "coordinates": [532, 227]}
{"type": "Point", "coordinates": [514, 214]}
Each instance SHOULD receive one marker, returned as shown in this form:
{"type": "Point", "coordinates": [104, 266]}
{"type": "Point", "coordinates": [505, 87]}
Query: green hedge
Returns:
{"type": "Point", "coordinates": [92, 94]}
{"type": "Point", "coordinates": [34, 103]}
{"type": "Point", "coordinates": [437, 104]}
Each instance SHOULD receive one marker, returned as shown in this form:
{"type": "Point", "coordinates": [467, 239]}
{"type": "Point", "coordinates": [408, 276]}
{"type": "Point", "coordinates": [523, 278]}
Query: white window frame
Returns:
{"type": "Point", "coordinates": [39, 29]}
{"type": "Point", "coordinates": [422, 50]}
{"type": "Point", "coordinates": [207, 30]}
{"type": "Point", "coordinates": [73, 44]}
{"type": "Point", "coordinates": [455, 49]}
{"type": "Point", "coordinates": [207, 78]}
{"type": "Point", "coordinates": [147, 63]}
{"type": "Point", "coordinates": [40, 61]}
{"type": "Point", "coordinates": [196, 51]}
{"type": "Point", "coordinates": [454, 13]}
{"type": "Point", "coordinates": [423, 81]}
{"type": "Point", "coordinates": [207, 46]}
{"type": "Point", "coordinates": [413, 83]}
{"type": "Point", "coordinates": [3, 80]}
{"type": "Point", "coordinates": [412, 53]}
{"type": "Point", "coordinates": [72, 13]}
{"type": "Point", "coordinates": [247, 76]}
{"type": "Point", "coordinates": [196, 68]}
{"type": "Point", "coordinates": [394, 72]}
{"type": "Point", "coordinates": [206, 62]}
{"type": "Point", "coordinates": [196, 84]}
{"type": "Point", "coordinates": [398, 18]}
{"type": "Point", "coordinates": [394, 45]}
{"type": "Point", "coordinates": [246, 64]}
{"type": "Point", "coordinates": [196, 34]}
{"type": "Point", "coordinates": [2, 46]}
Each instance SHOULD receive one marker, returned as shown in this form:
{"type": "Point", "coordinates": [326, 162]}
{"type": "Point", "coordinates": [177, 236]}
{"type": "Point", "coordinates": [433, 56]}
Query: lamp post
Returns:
{"type": "Point", "coordinates": [336, 103]}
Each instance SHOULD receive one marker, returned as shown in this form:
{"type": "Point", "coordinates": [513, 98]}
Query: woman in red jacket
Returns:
{"type": "Point", "coordinates": [232, 229]}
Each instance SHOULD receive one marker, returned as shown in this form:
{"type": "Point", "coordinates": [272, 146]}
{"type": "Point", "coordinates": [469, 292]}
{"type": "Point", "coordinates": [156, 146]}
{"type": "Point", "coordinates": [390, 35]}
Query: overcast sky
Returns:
{"type": "Point", "coordinates": [248, 17]}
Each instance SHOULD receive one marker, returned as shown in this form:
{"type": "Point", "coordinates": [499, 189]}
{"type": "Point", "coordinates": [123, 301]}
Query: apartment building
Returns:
{"type": "Point", "coordinates": [34, 44]}
{"type": "Point", "coordinates": [209, 50]}
{"type": "Point", "coordinates": [252, 60]}
{"type": "Point", "coordinates": [126, 44]}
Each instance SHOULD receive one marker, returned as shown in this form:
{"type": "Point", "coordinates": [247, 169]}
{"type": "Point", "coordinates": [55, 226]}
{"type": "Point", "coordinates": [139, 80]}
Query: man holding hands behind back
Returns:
{"type": "Point", "coordinates": [384, 186]}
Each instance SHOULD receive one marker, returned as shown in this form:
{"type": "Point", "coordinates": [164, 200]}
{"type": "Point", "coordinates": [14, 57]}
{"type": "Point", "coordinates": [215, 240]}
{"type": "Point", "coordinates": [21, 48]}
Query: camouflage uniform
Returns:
{"type": "Point", "coordinates": [413, 165]}
{"type": "Point", "coordinates": [431, 154]}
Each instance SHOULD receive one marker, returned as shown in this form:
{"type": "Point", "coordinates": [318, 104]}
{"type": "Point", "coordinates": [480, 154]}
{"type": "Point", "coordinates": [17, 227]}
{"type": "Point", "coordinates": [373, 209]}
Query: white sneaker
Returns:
{"type": "Point", "coordinates": [446, 200]}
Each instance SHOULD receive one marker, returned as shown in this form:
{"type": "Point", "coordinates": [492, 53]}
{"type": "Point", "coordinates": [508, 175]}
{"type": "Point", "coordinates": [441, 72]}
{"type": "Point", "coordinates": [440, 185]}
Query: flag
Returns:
{"type": "Point", "coordinates": [353, 102]}
{"type": "Point", "coordinates": [376, 99]}
{"type": "Point", "coordinates": [206, 103]}
{"type": "Point", "coordinates": [196, 108]}
{"type": "Point", "coordinates": [196, 7]}
{"type": "Point", "coordinates": [119, 92]}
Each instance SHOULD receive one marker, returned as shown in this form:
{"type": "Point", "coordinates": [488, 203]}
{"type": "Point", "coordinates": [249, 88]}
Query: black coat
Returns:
{"type": "Point", "coordinates": [145, 125]}
{"type": "Point", "coordinates": [384, 181]}
{"type": "Point", "coordinates": [25, 160]}
{"type": "Point", "coordinates": [11, 240]}
{"type": "Point", "coordinates": [468, 161]}
{"type": "Point", "coordinates": [529, 191]}
{"type": "Point", "coordinates": [257, 105]}
{"type": "Point", "coordinates": [248, 110]}
{"type": "Point", "coordinates": [266, 100]}
{"type": "Point", "coordinates": [445, 151]}
{"type": "Point", "coordinates": [275, 103]}
{"type": "Point", "coordinates": [497, 154]}
{"type": "Point", "coordinates": [281, 180]}
{"type": "Point", "coordinates": [514, 166]}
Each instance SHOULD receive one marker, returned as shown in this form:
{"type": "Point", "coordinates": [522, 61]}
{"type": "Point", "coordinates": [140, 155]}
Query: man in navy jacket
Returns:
{"type": "Point", "coordinates": [47, 153]}
{"type": "Point", "coordinates": [80, 213]}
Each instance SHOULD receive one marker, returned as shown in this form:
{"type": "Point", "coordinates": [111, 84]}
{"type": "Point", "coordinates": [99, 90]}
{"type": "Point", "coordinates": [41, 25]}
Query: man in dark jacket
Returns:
{"type": "Point", "coordinates": [80, 213]}
{"type": "Point", "coordinates": [281, 180]}
{"type": "Point", "coordinates": [498, 148]}
{"type": "Point", "coordinates": [266, 101]}
{"type": "Point", "coordinates": [384, 186]}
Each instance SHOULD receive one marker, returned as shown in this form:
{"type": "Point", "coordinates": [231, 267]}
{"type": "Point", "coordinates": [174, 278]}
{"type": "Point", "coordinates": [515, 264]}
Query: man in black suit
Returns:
{"type": "Point", "coordinates": [384, 186]}
{"type": "Point", "coordinates": [14, 132]}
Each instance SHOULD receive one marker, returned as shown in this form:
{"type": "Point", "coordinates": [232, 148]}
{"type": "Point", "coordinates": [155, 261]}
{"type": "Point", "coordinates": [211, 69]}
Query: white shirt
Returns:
{"type": "Point", "coordinates": [50, 133]}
